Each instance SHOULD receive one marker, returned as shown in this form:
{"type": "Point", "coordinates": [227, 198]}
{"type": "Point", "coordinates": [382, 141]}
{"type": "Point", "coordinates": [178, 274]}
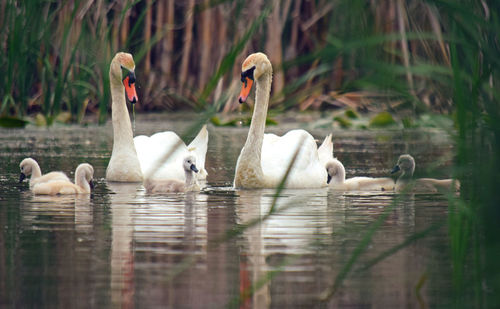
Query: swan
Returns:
{"type": "Point", "coordinates": [174, 185]}
{"type": "Point", "coordinates": [264, 159]}
{"type": "Point", "coordinates": [337, 181]}
{"type": "Point", "coordinates": [134, 159]}
{"type": "Point", "coordinates": [325, 150]}
{"type": "Point", "coordinates": [406, 164]}
{"type": "Point", "coordinates": [83, 183]}
{"type": "Point", "coordinates": [29, 166]}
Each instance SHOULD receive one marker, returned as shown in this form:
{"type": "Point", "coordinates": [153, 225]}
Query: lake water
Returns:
{"type": "Point", "coordinates": [121, 247]}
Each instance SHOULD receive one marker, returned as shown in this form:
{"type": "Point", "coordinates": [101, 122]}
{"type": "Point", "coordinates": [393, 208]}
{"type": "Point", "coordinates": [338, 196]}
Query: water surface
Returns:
{"type": "Point", "coordinates": [121, 247]}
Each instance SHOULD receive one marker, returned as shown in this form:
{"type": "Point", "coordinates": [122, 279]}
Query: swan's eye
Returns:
{"type": "Point", "coordinates": [127, 73]}
{"type": "Point", "coordinates": [248, 73]}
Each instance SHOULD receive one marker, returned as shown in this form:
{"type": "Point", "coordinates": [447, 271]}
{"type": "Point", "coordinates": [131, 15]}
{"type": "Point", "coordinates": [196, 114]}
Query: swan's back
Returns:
{"type": "Point", "coordinates": [199, 147]}
{"type": "Point", "coordinates": [325, 150]}
{"type": "Point", "coordinates": [52, 176]}
{"type": "Point", "coordinates": [428, 185]}
{"type": "Point", "coordinates": [161, 186]}
{"type": "Point", "coordinates": [56, 187]}
{"type": "Point", "coordinates": [278, 152]}
{"type": "Point", "coordinates": [168, 186]}
{"type": "Point", "coordinates": [163, 153]}
{"type": "Point", "coordinates": [369, 184]}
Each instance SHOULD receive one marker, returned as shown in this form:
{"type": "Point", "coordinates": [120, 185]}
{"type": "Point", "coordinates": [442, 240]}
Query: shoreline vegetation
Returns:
{"type": "Point", "coordinates": [401, 58]}
{"type": "Point", "coordinates": [56, 55]}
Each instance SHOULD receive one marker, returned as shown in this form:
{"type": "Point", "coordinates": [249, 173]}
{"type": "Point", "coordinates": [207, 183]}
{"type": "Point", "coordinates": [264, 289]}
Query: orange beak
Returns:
{"type": "Point", "coordinates": [245, 89]}
{"type": "Point", "coordinates": [130, 89]}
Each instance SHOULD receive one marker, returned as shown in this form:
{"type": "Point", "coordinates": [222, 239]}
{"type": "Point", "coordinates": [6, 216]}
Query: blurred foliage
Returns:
{"type": "Point", "coordinates": [362, 55]}
{"type": "Point", "coordinates": [383, 119]}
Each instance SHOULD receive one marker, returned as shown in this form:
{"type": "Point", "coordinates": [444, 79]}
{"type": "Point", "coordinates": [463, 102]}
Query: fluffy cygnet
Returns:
{"type": "Point", "coordinates": [29, 167]}
{"type": "Point", "coordinates": [406, 164]}
{"type": "Point", "coordinates": [337, 181]}
{"type": "Point", "coordinates": [174, 185]}
{"type": "Point", "coordinates": [83, 183]}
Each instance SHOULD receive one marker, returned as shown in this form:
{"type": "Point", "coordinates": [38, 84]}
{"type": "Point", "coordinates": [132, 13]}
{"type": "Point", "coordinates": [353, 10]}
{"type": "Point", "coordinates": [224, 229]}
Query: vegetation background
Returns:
{"type": "Point", "coordinates": [56, 54]}
{"type": "Point", "coordinates": [406, 57]}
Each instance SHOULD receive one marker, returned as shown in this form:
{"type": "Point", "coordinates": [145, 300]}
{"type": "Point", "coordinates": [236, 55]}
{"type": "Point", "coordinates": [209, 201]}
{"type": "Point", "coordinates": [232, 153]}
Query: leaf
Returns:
{"type": "Point", "coordinates": [343, 122]}
{"type": "Point", "coordinates": [351, 114]}
{"type": "Point", "coordinates": [382, 119]}
{"type": "Point", "coordinates": [12, 122]}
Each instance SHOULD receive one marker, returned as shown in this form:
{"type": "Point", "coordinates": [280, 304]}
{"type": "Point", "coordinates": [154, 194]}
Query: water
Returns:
{"type": "Point", "coordinates": [120, 247]}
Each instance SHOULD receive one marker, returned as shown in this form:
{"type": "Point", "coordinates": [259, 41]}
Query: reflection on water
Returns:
{"type": "Point", "coordinates": [121, 247]}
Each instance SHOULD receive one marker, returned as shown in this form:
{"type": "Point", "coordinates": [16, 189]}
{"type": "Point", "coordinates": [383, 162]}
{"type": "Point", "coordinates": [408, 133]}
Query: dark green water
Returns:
{"type": "Point", "coordinates": [123, 248]}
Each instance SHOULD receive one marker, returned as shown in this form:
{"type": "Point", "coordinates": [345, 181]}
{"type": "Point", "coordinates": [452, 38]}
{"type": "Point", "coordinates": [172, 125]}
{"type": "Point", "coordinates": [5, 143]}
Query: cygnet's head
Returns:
{"type": "Point", "coordinates": [189, 164]}
{"type": "Point", "coordinates": [406, 164]}
{"type": "Point", "coordinates": [26, 167]}
{"type": "Point", "coordinates": [88, 171]}
{"type": "Point", "coordinates": [336, 171]}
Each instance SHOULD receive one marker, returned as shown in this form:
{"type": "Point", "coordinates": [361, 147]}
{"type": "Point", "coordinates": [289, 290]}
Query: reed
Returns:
{"type": "Point", "coordinates": [473, 225]}
{"type": "Point", "coordinates": [57, 55]}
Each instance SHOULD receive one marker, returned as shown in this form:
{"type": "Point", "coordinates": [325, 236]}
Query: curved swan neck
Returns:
{"type": "Point", "coordinates": [81, 181]}
{"type": "Point", "coordinates": [253, 145]}
{"type": "Point", "coordinates": [336, 168]}
{"type": "Point", "coordinates": [122, 128]}
{"type": "Point", "coordinates": [35, 171]}
{"type": "Point", "coordinates": [341, 174]}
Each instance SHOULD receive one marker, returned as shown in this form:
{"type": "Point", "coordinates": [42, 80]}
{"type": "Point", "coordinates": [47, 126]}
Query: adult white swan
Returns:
{"type": "Point", "coordinates": [265, 158]}
{"type": "Point", "coordinates": [136, 158]}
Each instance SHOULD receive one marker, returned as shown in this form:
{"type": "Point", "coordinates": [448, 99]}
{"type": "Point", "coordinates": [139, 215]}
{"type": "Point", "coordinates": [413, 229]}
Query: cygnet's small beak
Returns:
{"type": "Point", "coordinates": [329, 179]}
{"type": "Point", "coordinates": [193, 168]}
{"type": "Point", "coordinates": [91, 184]}
{"type": "Point", "coordinates": [21, 177]}
{"type": "Point", "coordinates": [395, 169]}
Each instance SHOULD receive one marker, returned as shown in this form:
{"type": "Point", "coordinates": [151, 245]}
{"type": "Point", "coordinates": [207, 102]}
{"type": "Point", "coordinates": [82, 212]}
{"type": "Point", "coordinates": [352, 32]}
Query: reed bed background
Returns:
{"type": "Point", "coordinates": [188, 53]}
{"type": "Point", "coordinates": [406, 57]}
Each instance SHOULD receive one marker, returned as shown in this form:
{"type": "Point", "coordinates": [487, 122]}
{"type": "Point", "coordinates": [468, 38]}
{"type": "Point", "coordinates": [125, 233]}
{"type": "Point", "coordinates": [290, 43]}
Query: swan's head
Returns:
{"type": "Point", "coordinates": [87, 171]}
{"type": "Point", "coordinates": [406, 163]}
{"type": "Point", "coordinates": [336, 171]}
{"type": "Point", "coordinates": [189, 164]}
{"type": "Point", "coordinates": [26, 167]}
{"type": "Point", "coordinates": [123, 71]}
{"type": "Point", "coordinates": [252, 68]}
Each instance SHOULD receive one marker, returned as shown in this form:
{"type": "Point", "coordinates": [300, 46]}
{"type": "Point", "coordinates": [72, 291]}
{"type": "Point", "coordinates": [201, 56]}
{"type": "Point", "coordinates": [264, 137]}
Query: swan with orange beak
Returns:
{"type": "Point", "coordinates": [265, 158]}
{"type": "Point", "coordinates": [135, 158]}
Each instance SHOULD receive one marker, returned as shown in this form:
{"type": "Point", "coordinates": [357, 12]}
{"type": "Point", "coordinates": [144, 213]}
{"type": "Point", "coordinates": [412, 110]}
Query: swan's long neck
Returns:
{"type": "Point", "coordinates": [341, 174]}
{"type": "Point", "coordinates": [258, 124]}
{"type": "Point", "coordinates": [122, 128]}
{"type": "Point", "coordinates": [35, 171]}
{"type": "Point", "coordinates": [339, 170]}
{"type": "Point", "coordinates": [81, 181]}
{"type": "Point", "coordinates": [250, 156]}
